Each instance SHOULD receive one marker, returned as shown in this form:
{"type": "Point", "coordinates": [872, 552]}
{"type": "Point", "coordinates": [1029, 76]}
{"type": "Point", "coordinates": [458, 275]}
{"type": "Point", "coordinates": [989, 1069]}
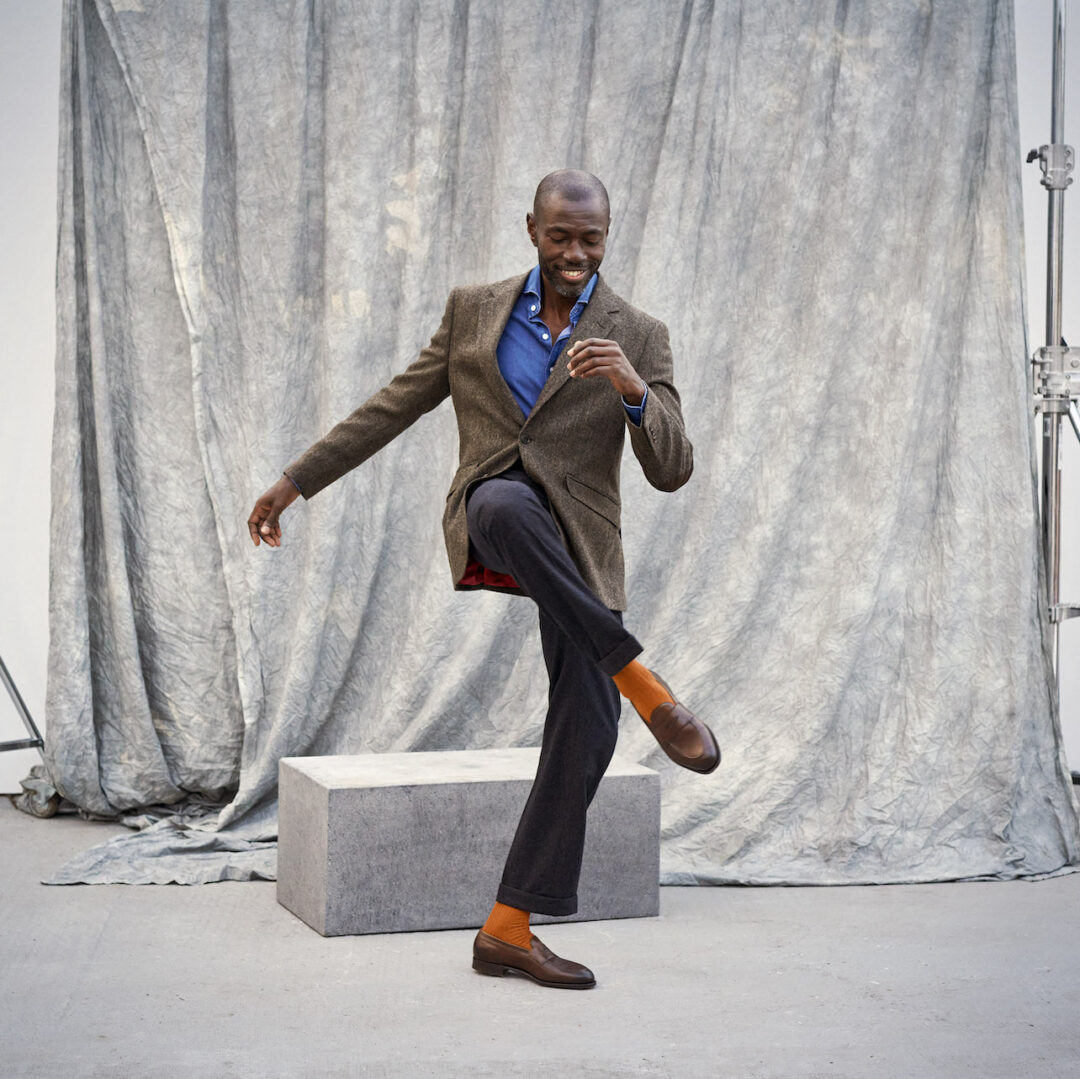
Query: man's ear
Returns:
{"type": "Point", "coordinates": [530, 224]}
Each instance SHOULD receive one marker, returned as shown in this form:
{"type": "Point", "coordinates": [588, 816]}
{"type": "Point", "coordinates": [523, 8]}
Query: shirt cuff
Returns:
{"type": "Point", "coordinates": [635, 412]}
{"type": "Point", "coordinates": [297, 486]}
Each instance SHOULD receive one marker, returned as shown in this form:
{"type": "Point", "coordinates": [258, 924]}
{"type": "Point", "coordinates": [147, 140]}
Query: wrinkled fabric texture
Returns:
{"type": "Point", "coordinates": [262, 210]}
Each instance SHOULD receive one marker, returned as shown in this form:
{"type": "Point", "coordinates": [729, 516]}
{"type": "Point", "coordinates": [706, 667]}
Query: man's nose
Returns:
{"type": "Point", "coordinates": [575, 252]}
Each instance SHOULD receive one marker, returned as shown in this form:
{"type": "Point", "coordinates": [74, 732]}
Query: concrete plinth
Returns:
{"type": "Point", "coordinates": [391, 842]}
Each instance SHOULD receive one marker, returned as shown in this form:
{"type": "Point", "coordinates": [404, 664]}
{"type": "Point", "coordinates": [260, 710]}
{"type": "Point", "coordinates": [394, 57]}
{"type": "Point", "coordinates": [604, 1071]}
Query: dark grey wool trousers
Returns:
{"type": "Point", "coordinates": [511, 530]}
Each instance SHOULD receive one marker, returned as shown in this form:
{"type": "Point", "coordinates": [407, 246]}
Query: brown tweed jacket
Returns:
{"type": "Point", "coordinates": [571, 443]}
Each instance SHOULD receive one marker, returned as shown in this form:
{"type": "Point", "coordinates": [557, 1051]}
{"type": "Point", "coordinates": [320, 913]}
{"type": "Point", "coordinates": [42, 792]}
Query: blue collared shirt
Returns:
{"type": "Point", "coordinates": [526, 352]}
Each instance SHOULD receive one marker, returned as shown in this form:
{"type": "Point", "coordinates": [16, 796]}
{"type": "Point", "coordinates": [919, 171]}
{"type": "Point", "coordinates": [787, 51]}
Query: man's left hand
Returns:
{"type": "Point", "coordinates": [595, 356]}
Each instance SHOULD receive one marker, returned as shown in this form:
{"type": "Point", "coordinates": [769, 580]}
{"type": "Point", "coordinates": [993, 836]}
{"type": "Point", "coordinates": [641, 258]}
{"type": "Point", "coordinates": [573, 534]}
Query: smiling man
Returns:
{"type": "Point", "coordinates": [547, 373]}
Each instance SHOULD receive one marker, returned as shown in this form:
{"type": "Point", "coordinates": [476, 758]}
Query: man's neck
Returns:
{"type": "Point", "coordinates": [554, 309]}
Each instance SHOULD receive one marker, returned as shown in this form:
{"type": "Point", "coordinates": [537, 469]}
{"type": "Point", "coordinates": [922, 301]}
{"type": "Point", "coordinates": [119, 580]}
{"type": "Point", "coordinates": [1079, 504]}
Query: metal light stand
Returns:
{"type": "Point", "coordinates": [36, 741]}
{"type": "Point", "coordinates": [1055, 367]}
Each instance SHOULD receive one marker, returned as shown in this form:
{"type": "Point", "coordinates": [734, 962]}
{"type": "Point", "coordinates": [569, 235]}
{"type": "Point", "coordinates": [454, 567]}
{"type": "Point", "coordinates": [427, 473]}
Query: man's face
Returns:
{"type": "Point", "coordinates": [569, 236]}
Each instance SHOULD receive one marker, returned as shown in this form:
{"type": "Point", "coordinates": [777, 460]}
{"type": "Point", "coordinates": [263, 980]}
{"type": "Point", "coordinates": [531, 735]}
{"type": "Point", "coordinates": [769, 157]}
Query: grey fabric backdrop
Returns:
{"type": "Point", "coordinates": [263, 207]}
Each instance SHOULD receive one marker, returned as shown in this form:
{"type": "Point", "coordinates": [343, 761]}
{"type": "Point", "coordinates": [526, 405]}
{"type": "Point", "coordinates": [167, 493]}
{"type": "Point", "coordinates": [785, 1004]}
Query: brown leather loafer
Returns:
{"type": "Point", "coordinates": [496, 957]}
{"type": "Point", "coordinates": [682, 736]}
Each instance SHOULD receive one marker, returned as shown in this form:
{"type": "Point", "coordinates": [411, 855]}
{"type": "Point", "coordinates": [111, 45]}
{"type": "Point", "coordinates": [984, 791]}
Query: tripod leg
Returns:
{"type": "Point", "coordinates": [1074, 417]}
{"type": "Point", "coordinates": [34, 742]}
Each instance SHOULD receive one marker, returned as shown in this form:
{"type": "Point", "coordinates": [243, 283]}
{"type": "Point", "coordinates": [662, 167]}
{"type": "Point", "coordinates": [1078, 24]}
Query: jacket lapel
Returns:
{"type": "Point", "coordinates": [596, 321]}
{"type": "Point", "coordinates": [495, 309]}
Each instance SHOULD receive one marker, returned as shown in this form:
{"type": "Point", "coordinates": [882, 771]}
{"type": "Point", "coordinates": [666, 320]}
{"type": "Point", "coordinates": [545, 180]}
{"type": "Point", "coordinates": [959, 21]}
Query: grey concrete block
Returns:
{"type": "Point", "coordinates": [391, 842]}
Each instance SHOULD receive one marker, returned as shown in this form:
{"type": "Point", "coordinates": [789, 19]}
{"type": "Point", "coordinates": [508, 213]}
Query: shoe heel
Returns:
{"type": "Point", "coordinates": [494, 969]}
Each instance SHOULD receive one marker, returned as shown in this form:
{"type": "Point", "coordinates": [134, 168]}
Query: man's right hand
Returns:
{"type": "Point", "coordinates": [263, 522]}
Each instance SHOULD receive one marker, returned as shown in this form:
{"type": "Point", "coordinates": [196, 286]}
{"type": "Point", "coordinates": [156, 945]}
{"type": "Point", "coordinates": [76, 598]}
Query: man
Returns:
{"type": "Point", "coordinates": [534, 509]}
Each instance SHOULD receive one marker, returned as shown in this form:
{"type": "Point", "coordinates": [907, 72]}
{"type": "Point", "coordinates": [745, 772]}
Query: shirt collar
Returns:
{"type": "Point", "coordinates": [532, 288]}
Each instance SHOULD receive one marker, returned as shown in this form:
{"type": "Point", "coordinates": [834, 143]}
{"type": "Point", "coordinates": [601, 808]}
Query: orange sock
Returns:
{"type": "Point", "coordinates": [509, 924]}
{"type": "Point", "coordinates": [640, 687]}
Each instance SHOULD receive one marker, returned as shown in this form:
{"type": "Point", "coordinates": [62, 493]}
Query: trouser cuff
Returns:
{"type": "Point", "coordinates": [620, 656]}
{"type": "Point", "coordinates": [536, 904]}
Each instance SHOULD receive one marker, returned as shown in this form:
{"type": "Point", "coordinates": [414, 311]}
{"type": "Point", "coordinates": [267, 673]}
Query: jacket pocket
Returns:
{"type": "Point", "coordinates": [599, 503]}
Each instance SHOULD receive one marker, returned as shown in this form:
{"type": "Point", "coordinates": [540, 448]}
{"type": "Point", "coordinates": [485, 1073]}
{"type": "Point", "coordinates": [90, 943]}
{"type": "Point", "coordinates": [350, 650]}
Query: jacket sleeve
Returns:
{"type": "Point", "coordinates": [379, 420]}
{"type": "Point", "coordinates": [660, 443]}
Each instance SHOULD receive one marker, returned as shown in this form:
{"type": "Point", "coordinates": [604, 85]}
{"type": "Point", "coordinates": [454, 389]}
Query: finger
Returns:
{"type": "Point", "coordinates": [582, 355]}
{"type": "Point", "coordinates": [580, 347]}
{"type": "Point", "coordinates": [594, 347]}
{"type": "Point", "coordinates": [593, 367]}
{"type": "Point", "coordinates": [593, 358]}
{"type": "Point", "coordinates": [597, 370]}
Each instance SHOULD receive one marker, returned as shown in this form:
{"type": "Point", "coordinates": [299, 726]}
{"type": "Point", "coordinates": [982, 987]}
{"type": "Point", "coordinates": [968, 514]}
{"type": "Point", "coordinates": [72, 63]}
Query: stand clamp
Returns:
{"type": "Point", "coordinates": [1055, 378]}
{"type": "Point", "coordinates": [1056, 161]}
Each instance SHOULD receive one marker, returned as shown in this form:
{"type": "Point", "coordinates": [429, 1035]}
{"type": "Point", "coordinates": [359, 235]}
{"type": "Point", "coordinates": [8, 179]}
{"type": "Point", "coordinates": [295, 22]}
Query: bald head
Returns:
{"type": "Point", "coordinates": [572, 185]}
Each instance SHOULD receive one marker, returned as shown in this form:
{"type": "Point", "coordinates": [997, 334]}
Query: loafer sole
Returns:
{"type": "Point", "coordinates": [497, 970]}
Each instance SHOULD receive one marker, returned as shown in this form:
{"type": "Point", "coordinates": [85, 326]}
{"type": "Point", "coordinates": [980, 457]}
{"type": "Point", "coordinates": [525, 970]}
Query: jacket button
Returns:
{"type": "Point", "coordinates": [526, 439]}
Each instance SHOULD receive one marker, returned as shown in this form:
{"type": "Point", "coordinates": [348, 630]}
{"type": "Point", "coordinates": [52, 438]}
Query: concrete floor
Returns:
{"type": "Point", "coordinates": [219, 980]}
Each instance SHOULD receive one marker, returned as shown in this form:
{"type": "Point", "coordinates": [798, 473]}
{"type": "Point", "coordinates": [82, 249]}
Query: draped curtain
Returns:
{"type": "Point", "coordinates": [262, 210]}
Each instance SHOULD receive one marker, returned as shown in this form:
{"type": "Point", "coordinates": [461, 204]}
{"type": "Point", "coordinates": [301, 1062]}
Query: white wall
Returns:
{"type": "Point", "coordinates": [29, 95]}
{"type": "Point", "coordinates": [29, 106]}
